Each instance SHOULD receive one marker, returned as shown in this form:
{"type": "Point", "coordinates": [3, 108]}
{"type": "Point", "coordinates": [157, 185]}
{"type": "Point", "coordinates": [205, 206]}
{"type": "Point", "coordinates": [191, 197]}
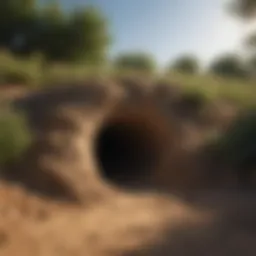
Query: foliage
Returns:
{"type": "Point", "coordinates": [89, 35]}
{"type": "Point", "coordinates": [59, 36]}
{"type": "Point", "coordinates": [186, 64]}
{"type": "Point", "coordinates": [135, 61]}
{"type": "Point", "coordinates": [228, 65]}
{"type": "Point", "coordinates": [19, 71]}
{"type": "Point", "coordinates": [14, 136]}
{"type": "Point", "coordinates": [245, 9]}
{"type": "Point", "coordinates": [238, 145]}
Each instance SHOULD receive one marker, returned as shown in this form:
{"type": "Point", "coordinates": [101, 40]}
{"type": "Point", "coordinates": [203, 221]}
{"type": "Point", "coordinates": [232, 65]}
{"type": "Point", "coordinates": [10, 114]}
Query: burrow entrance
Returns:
{"type": "Point", "coordinates": [129, 149]}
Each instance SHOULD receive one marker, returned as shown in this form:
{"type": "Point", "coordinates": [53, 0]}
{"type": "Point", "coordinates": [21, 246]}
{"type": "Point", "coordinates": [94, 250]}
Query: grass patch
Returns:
{"type": "Point", "coordinates": [15, 136]}
{"type": "Point", "coordinates": [25, 72]}
{"type": "Point", "coordinates": [34, 72]}
{"type": "Point", "coordinates": [241, 92]}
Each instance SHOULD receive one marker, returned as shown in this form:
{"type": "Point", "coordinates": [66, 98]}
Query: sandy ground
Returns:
{"type": "Point", "coordinates": [127, 224]}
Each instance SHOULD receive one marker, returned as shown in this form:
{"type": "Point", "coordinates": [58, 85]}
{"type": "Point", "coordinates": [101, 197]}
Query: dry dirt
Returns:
{"type": "Point", "coordinates": [132, 224]}
{"type": "Point", "coordinates": [34, 226]}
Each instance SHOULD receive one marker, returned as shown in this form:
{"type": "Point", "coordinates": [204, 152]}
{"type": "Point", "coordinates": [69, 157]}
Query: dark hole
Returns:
{"type": "Point", "coordinates": [126, 152]}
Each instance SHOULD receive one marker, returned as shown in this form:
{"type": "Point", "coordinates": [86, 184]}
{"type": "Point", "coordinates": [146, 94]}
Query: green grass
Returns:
{"type": "Point", "coordinates": [34, 73]}
{"type": "Point", "coordinates": [241, 92]}
{"type": "Point", "coordinates": [13, 70]}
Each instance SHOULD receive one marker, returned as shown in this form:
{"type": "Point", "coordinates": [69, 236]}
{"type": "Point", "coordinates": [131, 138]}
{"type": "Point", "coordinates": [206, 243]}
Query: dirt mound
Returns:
{"type": "Point", "coordinates": [63, 121]}
{"type": "Point", "coordinates": [107, 139]}
{"type": "Point", "coordinates": [96, 146]}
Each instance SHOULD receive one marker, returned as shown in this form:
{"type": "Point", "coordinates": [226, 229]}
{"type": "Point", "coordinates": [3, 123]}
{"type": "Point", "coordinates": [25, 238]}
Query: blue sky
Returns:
{"type": "Point", "coordinates": [168, 28]}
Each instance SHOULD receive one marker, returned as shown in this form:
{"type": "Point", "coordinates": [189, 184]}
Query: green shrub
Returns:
{"type": "Point", "coordinates": [237, 147]}
{"type": "Point", "coordinates": [19, 71]}
{"type": "Point", "coordinates": [14, 136]}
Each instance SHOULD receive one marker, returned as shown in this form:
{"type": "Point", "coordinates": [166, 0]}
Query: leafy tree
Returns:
{"type": "Point", "coordinates": [89, 37]}
{"type": "Point", "coordinates": [52, 32]}
{"type": "Point", "coordinates": [186, 64]}
{"type": "Point", "coordinates": [135, 61]}
{"type": "Point", "coordinates": [246, 9]}
{"type": "Point", "coordinates": [228, 65]}
{"type": "Point", "coordinates": [84, 32]}
{"type": "Point", "coordinates": [16, 18]}
{"type": "Point", "coordinates": [79, 35]}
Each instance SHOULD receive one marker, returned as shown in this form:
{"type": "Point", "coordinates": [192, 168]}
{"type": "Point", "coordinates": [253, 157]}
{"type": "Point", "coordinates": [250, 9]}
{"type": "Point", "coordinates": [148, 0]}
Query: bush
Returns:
{"type": "Point", "coordinates": [237, 147]}
{"type": "Point", "coordinates": [14, 136]}
{"type": "Point", "coordinates": [228, 65]}
{"type": "Point", "coordinates": [19, 71]}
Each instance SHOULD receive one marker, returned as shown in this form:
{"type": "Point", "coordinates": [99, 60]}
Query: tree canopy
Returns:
{"type": "Point", "coordinates": [246, 9]}
{"type": "Point", "coordinates": [78, 35]}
